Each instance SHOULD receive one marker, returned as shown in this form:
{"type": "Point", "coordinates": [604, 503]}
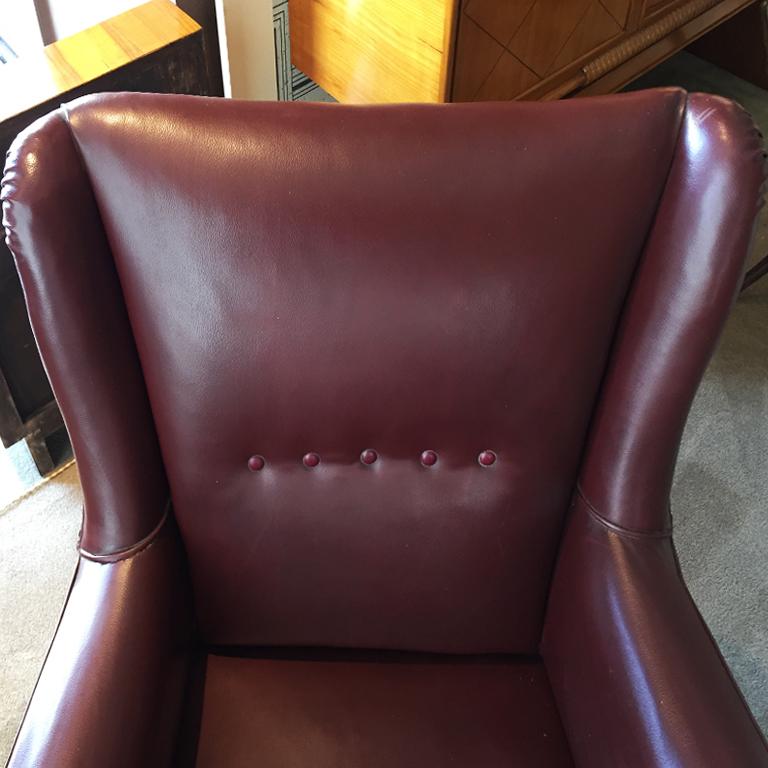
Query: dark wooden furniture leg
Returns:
{"type": "Point", "coordinates": [753, 275]}
{"type": "Point", "coordinates": [35, 429]}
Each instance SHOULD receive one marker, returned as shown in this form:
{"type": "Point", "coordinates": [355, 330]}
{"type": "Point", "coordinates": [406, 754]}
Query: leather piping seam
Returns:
{"type": "Point", "coordinates": [133, 549]}
{"type": "Point", "coordinates": [620, 530]}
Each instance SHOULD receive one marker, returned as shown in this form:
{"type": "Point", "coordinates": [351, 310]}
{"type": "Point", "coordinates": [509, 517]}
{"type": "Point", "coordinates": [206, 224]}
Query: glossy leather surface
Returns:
{"type": "Point", "coordinates": [637, 677]}
{"type": "Point", "coordinates": [269, 292]}
{"type": "Point", "coordinates": [336, 714]}
{"type": "Point", "coordinates": [381, 299]}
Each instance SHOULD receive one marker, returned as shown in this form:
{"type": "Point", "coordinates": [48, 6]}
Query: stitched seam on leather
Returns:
{"type": "Point", "coordinates": [620, 530]}
{"type": "Point", "coordinates": [134, 549]}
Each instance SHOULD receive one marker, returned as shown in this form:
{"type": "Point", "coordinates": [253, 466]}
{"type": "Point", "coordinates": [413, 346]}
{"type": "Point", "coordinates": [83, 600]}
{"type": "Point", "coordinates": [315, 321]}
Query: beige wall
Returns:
{"type": "Point", "coordinates": [247, 41]}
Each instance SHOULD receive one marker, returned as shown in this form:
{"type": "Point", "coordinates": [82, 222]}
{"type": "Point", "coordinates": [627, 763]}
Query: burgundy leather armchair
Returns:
{"type": "Point", "coordinates": [376, 412]}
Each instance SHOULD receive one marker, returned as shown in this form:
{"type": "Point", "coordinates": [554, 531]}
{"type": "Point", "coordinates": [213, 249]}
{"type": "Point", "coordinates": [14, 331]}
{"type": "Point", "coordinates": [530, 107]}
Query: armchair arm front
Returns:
{"type": "Point", "coordinates": [111, 690]}
{"type": "Point", "coordinates": [638, 678]}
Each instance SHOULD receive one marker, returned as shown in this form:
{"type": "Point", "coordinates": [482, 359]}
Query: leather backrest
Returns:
{"type": "Point", "coordinates": [317, 278]}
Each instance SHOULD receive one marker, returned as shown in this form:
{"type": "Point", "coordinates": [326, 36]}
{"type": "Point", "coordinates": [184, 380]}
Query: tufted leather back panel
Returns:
{"type": "Point", "coordinates": [314, 278]}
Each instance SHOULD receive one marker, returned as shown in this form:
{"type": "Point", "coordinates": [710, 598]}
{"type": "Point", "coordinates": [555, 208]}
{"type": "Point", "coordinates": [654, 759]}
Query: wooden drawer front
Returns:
{"type": "Point", "coordinates": [655, 7]}
{"type": "Point", "coordinates": [373, 50]}
{"type": "Point", "coordinates": [503, 49]}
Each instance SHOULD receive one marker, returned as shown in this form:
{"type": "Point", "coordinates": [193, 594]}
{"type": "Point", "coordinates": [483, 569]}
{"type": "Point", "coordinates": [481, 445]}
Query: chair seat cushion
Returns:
{"type": "Point", "coordinates": [390, 711]}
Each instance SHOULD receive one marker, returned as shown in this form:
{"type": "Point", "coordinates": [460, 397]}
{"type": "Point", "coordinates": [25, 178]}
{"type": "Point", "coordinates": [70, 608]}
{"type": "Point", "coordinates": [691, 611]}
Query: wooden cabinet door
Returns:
{"type": "Point", "coordinates": [505, 48]}
{"type": "Point", "coordinates": [655, 7]}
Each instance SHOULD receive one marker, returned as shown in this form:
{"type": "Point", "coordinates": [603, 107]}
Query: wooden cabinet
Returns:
{"type": "Point", "coordinates": [479, 50]}
{"type": "Point", "coordinates": [653, 7]}
{"type": "Point", "coordinates": [373, 50]}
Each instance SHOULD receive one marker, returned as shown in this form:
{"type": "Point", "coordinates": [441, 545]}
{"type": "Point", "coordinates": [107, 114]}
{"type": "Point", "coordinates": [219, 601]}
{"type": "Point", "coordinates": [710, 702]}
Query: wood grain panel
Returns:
{"type": "Point", "coordinates": [500, 19]}
{"type": "Point", "coordinates": [373, 50]}
{"type": "Point", "coordinates": [628, 70]}
{"type": "Point", "coordinates": [619, 9]}
{"type": "Point", "coordinates": [509, 78]}
{"type": "Point", "coordinates": [476, 55]}
{"type": "Point", "coordinates": [92, 53]}
{"type": "Point", "coordinates": [596, 27]}
{"type": "Point", "coordinates": [636, 8]}
{"type": "Point", "coordinates": [545, 31]}
{"type": "Point", "coordinates": [654, 7]}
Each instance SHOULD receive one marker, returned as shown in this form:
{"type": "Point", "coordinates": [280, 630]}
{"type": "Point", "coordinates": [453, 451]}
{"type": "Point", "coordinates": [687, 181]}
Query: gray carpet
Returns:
{"type": "Point", "coordinates": [720, 498]}
{"type": "Point", "coordinates": [38, 551]}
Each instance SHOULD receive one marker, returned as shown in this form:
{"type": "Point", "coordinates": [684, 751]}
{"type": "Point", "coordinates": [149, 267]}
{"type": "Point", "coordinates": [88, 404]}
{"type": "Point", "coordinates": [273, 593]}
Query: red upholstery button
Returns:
{"type": "Point", "coordinates": [429, 458]}
{"type": "Point", "coordinates": [368, 456]}
{"type": "Point", "coordinates": [486, 458]}
{"type": "Point", "coordinates": [255, 463]}
{"type": "Point", "coordinates": [311, 459]}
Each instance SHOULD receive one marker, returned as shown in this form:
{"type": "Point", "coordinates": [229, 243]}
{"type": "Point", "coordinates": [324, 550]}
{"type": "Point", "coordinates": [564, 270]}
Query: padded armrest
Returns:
{"type": "Point", "coordinates": [111, 690]}
{"type": "Point", "coordinates": [637, 676]}
{"type": "Point", "coordinates": [76, 307]}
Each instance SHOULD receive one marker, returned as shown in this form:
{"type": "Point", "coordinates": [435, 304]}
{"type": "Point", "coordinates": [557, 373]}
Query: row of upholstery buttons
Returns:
{"type": "Point", "coordinates": [368, 457]}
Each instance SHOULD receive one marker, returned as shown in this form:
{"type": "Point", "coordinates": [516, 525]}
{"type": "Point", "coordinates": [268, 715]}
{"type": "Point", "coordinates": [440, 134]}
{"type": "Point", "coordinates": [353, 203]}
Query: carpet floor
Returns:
{"type": "Point", "coordinates": [38, 552]}
{"type": "Point", "coordinates": [719, 501]}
